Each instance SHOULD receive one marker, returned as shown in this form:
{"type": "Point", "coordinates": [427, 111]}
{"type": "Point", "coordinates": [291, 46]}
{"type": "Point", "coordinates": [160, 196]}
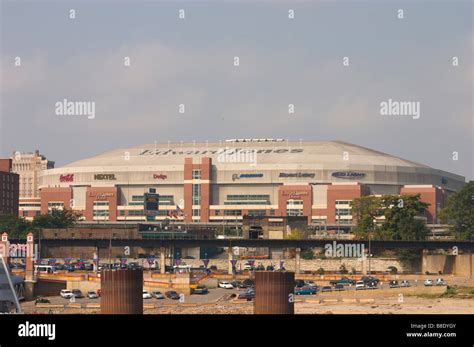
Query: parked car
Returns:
{"type": "Point", "coordinates": [66, 293]}
{"type": "Point", "coordinates": [405, 283]}
{"type": "Point", "coordinates": [342, 280]}
{"type": "Point", "coordinates": [326, 289]}
{"type": "Point", "coordinates": [248, 266]}
{"type": "Point", "coordinates": [237, 284]}
{"type": "Point", "coordinates": [92, 295]}
{"type": "Point", "coordinates": [60, 267]}
{"type": "Point", "coordinates": [441, 282]}
{"type": "Point", "coordinates": [371, 285]}
{"type": "Point", "coordinates": [339, 287]}
{"type": "Point", "coordinates": [428, 283]}
{"type": "Point", "coordinates": [157, 295]}
{"type": "Point", "coordinates": [306, 290]}
{"type": "Point", "coordinates": [77, 293]}
{"type": "Point", "coordinates": [310, 283]}
{"type": "Point", "coordinates": [89, 267]}
{"type": "Point", "coordinates": [360, 285]}
{"type": "Point", "coordinates": [248, 283]}
{"type": "Point", "coordinates": [146, 295]}
{"type": "Point", "coordinates": [70, 268]}
{"type": "Point", "coordinates": [270, 268]}
{"type": "Point", "coordinates": [225, 285]}
{"type": "Point", "coordinates": [367, 279]}
{"type": "Point", "coordinates": [200, 289]}
{"type": "Point", "coordinates": [394, 284]}
{"type": "Point", "coordinates": [172, 295]}
{"type": "Point", "coordinates": [249, 294]}
{"type": "Point", "coordinates": [299, 283]}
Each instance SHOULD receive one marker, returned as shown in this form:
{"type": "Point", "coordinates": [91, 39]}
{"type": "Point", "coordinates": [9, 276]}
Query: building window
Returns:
{"type": "Point", "coordinates": [232, 212]}
{"type": "Point", "coordinates": [256, 213]}
{"type": "Point", "coordinates": [196, 212]}
{"type": "Point", "coordinates": [343, 211]}
{"type": "Point", "coordinates": [196, 174]}
{"type": "Point", "coordinates": [196, 194]}
{"type": "Point", "coordinates": [55, 205]}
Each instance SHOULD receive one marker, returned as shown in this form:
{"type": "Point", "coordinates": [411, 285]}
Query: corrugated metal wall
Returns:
{"type": "Point", "coordinates": [121, 291]}
{"type": "Point", "coordinates": [274, 292]}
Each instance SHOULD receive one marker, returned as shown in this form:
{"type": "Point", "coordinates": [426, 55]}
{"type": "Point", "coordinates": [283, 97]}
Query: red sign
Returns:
{"type": "Point", "coordinates": [295, 194]}
{"type": "Point", "coordinates": [159, 177]}
{"type": "Point", "coordinates": [66, 178]}
{"type": "Point", "coordinates": [101, 196]}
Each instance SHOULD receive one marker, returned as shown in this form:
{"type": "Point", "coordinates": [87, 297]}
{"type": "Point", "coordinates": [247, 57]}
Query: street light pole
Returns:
{"type": "Point", "coordinates": [370, 254]}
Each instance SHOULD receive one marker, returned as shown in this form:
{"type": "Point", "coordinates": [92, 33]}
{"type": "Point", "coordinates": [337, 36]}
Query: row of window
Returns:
{"type": "Point", "coordinates": [247, 197]}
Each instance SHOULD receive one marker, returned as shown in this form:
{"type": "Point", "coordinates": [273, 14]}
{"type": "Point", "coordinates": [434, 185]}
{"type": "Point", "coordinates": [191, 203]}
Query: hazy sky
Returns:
{"type": "Point", "coordinates": [282, 62]}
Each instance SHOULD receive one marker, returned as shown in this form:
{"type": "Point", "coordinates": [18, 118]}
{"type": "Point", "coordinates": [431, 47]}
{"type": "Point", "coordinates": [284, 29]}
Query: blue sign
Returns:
{"type": "Point", "coordinates": [246, 175]}
{"type": "Point", "coordinates": [348, 174]}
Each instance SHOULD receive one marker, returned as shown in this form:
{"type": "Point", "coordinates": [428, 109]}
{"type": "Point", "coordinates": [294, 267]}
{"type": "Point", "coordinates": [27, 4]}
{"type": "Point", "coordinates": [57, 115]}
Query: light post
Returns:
{"type": "Point", "coordinates": [370, 254]}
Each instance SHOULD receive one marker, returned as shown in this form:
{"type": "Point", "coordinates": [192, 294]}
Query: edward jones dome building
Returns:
{"type": "Point", "coordinates": [225, 180]}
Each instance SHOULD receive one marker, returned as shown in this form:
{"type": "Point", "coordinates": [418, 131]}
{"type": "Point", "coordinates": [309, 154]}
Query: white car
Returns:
{"type": "Point", "coordinates": [441, 282]}
{"type": "Point", "coordinates": [360, 285]}
{"type": "Point", "coordinates": [66, 294]}
{"type": "Point", "coordinates": [225, 285]}
{"type": "Point", "coordinates": [428, 283]}
{"type": "Point", "coordinates": [310, 283]}
{"type": "Point", "coordinates": [92, 295]}
{"type": "Point", "coordinates": [247, 266]}
{"type": "Point", "coordinates": [146, 295]}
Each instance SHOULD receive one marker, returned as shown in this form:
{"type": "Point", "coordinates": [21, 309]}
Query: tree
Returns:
{"type": "Point", "coordinates": [57, 219]}
{"type": "Point", "coordinates": [16, 227]}
{"type": "Point", "coordinates": [295, 234]}
{"type": "Point", "coordinates": [459, 211]}
{"type": "Point", "coordinates": [307, 254]}
{"type": "Point", "coordinates": [400, 217]}
{"type": "Point", "coordinates": [365, 209]}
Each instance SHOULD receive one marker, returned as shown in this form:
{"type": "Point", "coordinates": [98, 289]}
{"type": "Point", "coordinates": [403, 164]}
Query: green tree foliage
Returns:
{"type": "Point", "coordinates": [400, 222]}
{"type": "Point", "coordinates": [56, 219]}
{"type": "Point", "coordinates": [307, 254]}
{"type": "Point", "coordinates": [295, 234]}
{"type": "Point", "coordinates": [459, 212]}
{"type": "Point", "coordinates": [365, 209]}
{"type": "Point", "coordinates": [400, 214]}
{"type": "Point", "coordinates": [16, 227]}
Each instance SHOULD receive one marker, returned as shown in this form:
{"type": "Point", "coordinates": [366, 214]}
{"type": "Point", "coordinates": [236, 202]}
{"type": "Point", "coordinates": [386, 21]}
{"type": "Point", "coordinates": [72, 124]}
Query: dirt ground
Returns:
{"type": "Point", "coordinates": [410, 305]}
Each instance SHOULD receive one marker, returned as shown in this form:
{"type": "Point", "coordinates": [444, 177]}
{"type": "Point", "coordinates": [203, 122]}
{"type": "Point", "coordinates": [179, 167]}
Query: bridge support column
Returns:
{"type": "Point", "coordinates": [297, 260]}
{"type": "Point", "coordinates": [162, 260]}
{"type": "Point", "coordinates": [29, 269]}
{"type": "Point", "coordinates": [230, 255]}
{"type": "Point", "coordinates": [364, 264]}
{"type": "Point", "coordinates": [5, 247]}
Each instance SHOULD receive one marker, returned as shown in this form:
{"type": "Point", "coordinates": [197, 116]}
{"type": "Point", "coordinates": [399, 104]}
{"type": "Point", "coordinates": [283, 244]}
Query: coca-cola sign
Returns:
{"type": "Point", "coordinates": [66, 178]}
{"type": "Point", "coordinates": [159, 176]}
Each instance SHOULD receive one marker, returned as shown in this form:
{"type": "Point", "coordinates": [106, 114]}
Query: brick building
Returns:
{"type": "Point", "coordinates": [223, 181]}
